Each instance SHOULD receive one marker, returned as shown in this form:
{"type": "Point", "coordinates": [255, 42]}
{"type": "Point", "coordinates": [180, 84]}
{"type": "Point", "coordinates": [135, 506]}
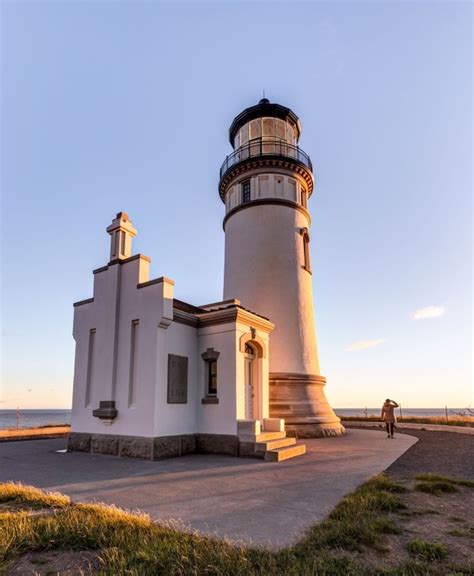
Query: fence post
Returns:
{"type": "Point", "coordinates": [401, 414]}
{"type": "Point", "coordinates": [446, 412]}
{"type": "Point", "coordinates": [18, 417]}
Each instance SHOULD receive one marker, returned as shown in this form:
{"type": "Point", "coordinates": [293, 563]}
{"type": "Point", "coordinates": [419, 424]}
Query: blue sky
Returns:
{"type": "Point", "coordinates": [126, 106]}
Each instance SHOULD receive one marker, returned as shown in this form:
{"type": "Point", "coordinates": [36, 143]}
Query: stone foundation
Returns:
{"type": "Point", "coordinates": [153, 448]}
{"type": "Point", "coordinates": [300, 400]}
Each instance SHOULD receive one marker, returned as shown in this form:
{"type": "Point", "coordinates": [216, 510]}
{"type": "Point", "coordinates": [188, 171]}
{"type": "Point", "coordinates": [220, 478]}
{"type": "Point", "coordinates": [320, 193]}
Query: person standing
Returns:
{"type": "Point", "coordinates": [388, 415]}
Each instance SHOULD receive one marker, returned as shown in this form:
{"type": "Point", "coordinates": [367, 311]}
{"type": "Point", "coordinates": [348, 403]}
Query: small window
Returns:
{"type": "Point", "coordinates": [246, 191]}
{"type": "Point", "coordinates": [307, 263]}
{"type": "Point", "coordinates": [212, 377]}
{"type": "Point", "coordinates": [210, 357]}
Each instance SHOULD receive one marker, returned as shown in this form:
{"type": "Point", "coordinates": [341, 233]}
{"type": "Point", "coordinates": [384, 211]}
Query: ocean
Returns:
{"type": "Point", "coordinates": [32, 418]}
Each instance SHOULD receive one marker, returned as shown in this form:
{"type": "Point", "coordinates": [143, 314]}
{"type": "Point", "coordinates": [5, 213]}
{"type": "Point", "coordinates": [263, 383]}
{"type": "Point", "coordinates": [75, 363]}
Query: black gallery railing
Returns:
{"type": "Point", "coordinates": [265, 147]}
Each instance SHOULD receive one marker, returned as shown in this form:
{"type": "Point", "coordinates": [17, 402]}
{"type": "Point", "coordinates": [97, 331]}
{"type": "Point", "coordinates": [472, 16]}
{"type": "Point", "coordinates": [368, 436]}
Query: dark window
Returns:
{"type": "Point", "coordinates": [307, 263]}
{"type": "Point", "coordinates": [246, 191]}
{"type": "Point", "coordinates": [212, 377]}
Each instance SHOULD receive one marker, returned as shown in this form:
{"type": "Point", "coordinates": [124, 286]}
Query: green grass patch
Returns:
{"type": "Point", "coordinates": [436, 478]}
{"type": "Point", "coordinates": [437, 488]}
{"type": "Point", "coordinates": [419, 512]}
{"type": "Point", "coordinates": [466, 533]}
{"type": "Point", "coordinates": [426, 550]}
{"type": "Point", "coordinates": [384, 483]}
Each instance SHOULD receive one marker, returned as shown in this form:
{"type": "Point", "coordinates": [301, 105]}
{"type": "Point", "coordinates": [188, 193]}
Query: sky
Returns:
{"type": "Point", "coordinates": [110, 106]}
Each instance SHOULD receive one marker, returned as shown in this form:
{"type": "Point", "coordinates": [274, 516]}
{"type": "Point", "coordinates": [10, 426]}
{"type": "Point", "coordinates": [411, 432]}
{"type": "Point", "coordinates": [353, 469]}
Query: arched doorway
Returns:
{"type": "Point", "coordinates": [251, 383]}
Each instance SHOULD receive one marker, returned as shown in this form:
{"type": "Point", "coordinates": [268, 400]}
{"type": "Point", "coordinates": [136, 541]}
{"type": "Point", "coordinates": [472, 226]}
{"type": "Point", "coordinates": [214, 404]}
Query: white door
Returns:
{"type": "Point", "coordinates": [249, 383]}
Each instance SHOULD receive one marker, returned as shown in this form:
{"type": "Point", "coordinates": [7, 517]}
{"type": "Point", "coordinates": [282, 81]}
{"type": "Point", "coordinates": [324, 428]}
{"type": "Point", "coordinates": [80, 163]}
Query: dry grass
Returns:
{"type": "Point", "coordinates": [355, 540]}
{"type": "Point", "coordinates": [455, 420]}
{"type": "Point", "coordinates": [40, 432]}
{"type": "Point", "coordinates": [17, 493]}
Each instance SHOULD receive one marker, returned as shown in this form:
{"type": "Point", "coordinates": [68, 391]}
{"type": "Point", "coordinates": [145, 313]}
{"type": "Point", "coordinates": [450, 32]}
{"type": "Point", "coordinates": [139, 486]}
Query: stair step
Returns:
{"type": "Point", "coordinates": [280, 454]}
{"type": "Point", "coordinates": [267, 436]}
{"type": "Point", "coordinates": [274, 444]}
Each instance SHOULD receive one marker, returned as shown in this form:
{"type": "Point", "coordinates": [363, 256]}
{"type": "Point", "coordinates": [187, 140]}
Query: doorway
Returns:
{"type": "Point", "coordinates": [250, 383]}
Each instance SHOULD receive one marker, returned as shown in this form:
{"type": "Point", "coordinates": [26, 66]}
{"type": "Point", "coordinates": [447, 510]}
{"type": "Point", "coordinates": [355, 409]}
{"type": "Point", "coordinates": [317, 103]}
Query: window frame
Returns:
{"type": "Point", "coordinates": [243, 186]}
{"type": "Point", "coordinates": [306, 253]}
{"type": "Point", "coordinates": [210, 357]}
{"type": "Point", "coordinates": [211, 377]}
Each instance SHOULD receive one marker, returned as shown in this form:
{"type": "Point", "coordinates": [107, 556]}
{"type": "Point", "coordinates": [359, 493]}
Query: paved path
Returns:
{"type": "Point", "coordinates": [269, 504]}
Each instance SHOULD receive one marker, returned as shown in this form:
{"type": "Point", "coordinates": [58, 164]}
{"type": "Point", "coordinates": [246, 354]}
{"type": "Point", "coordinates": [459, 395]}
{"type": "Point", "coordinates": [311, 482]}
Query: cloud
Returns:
{"type": "Point", "coordinates": [364, 344]}
{"type": "Point", "coordinates": [428, 312]}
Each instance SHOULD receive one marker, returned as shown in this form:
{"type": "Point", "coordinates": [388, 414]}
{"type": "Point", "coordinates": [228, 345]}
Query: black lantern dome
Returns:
{"type": "Point", "coordinates": [263, 109]}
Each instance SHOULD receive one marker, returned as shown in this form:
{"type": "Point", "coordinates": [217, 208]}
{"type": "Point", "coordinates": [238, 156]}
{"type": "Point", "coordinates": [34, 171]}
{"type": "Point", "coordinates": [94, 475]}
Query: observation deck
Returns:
{"type": "Point", "coordinates": [265, 151]}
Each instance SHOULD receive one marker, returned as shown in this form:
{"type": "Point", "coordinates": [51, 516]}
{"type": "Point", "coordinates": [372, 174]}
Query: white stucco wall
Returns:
{"type": "Point", "coordinates": [218, 418]}
{"type": "Point", "coordinates": [171, 419]}
{"type": "Point", "coordinates": [264, 261]}
{"type": "Point", "coordinates": [117, 303]}
{"type": "Point", "coordinates": [133, 323]}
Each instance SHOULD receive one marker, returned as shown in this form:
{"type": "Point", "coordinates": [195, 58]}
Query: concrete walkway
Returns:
{"type": "Point", "coordinates": [268, 504]}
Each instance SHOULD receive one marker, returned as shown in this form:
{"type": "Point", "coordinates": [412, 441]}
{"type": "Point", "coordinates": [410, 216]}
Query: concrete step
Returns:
{"type": "Point", "coordinates": [262, 447]}
{"type": "Point", "coordinates": [280, 454]}
{"type": "Point", "coordinates": [263, 437]}
{"type": "Point", "coordinates": [267, 436]}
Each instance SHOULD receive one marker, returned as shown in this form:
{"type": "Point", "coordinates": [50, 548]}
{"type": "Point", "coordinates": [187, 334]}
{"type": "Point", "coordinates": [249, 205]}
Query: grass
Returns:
{"type": "Point", "coordinates": [132, 544]}
{"type": "Point", "coordinates": [437, 478]}
{"type": "Point", "coordinates": [40, 431]}
{"type": "Point", "coordinates": [436, 488]}
{"type": "Point", "coordinates": [19, 494]}
{"type": "Point", "coordinates": [428, 551]}
{"type": "Point", "coordinates": [468, 533]}
{"type": "Point", "coordinates": [455, 420]}
{"type": "Point", "coordinates": [420, 512]}
{"type": "Point", "coordinates": [437, 485]}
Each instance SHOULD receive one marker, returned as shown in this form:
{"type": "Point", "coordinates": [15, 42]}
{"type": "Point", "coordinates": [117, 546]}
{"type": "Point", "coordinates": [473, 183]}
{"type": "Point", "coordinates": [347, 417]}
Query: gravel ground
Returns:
{"type": "Point", "coordinates": [444, 453]}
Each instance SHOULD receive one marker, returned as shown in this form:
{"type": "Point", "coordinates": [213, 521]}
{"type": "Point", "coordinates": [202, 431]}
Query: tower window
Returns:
{"type": "Point", "coordinates": [210, 357]}
{"type": "Point", "coordinates": [212, 378]}
{"type": "Point", "coordinates": [306, 258]}
{"type": "Point", "coordinates": [246, 191]}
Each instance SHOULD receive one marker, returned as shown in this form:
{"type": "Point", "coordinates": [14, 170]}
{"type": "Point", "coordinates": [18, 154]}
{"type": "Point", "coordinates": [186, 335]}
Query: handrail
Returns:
{"type": "Point", "coordinates": [265, 147]}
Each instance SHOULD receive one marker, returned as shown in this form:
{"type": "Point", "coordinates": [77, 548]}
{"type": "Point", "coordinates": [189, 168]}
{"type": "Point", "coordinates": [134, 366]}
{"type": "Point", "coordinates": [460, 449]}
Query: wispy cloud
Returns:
{"type": "Point", "coordinates": [428, 312]}
{"type": "Point", "coordinates": [364, 344]}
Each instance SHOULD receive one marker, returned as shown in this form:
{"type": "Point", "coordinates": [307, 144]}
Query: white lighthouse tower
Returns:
{"type": "Point", "coordinates": [265, 185]}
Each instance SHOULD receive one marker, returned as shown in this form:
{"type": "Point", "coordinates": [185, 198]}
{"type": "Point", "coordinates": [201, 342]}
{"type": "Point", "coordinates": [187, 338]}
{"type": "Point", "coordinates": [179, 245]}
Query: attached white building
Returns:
{"type": "Point", "coordinates": [156, 377]}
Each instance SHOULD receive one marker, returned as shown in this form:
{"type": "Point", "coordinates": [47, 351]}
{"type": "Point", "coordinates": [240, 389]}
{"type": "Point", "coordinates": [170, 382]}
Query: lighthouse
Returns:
{"type": "Point", "coordinates": [265, 184]}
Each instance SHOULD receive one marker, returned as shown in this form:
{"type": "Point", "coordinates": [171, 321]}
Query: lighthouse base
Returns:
{"type": "Point", "coordinates": [300, 400]}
